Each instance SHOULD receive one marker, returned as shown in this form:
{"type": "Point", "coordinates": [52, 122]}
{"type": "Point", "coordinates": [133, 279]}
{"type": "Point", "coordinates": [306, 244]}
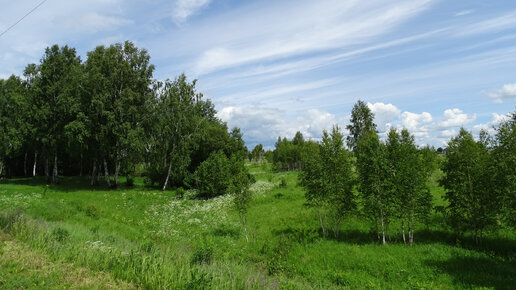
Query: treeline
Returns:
{"type": "Point", "coordinates": [388, 181]}
{"type": "Point", "coordinates": [108, 117]}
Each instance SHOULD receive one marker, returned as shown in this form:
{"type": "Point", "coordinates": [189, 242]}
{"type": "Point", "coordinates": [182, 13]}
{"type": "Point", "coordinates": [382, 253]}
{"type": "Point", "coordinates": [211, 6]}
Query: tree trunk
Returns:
{"type": "Point", "coordinates": [47, 171]}
{"type": "Point", "coordinates": [25, 165]}
{"type": "Point", "coordinates": [1, 167]}
{"type": "Point", "coordinates": [94, 172]}
{"type": "Point", "coordinates": [35, 162]}
{"type": "Point", "coordinates": [54, 172]}
{"type": "Point", "coordinates": [80, 170]}
{"type": "Point", "coordinates": [117, 169]}
{"type": "Point", "coordinates": [106, 173]}
{"type": "Point", "coordinates": [166, 179]}
{"type": "Point", "coordinates": [376, 224]}
{"type": "Point", "coordinates": [403, 230]}
{"type": "Point", "coordinates": [411, 230]}
{"type": "Point", "coordinates": [387, 226]}
{"type": "Point", "coordinates": [245, 228]}
{"type": "Point", "coordinates": [383, 227]}
{"type": "Point", "coordinates": [322, 224]}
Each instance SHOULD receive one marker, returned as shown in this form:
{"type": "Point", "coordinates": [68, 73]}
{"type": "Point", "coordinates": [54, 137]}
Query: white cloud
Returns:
{"type": "Point", "coordinates": [456, 118]}
{"type": "Point", "coordinates": [185, 8]}
{"type": "Point", "coordinates": [464, 12]}
{"type": "Point", "coordinates": [312, 26]}
{"type": "Point", "coordinates": [416, 122]}
{"type": "Point", "coordinates": [507, 21]}
{"type": "Point", "coordinates": [265, 125]}
{"type": "Point", "coordinates": [384, 115]}
{"type": "Point", "coordinates": [491, 125]}
{"type": "Point", "coordinates": [506, 92]}
{"type": "Point", "coordinates": [94, 22]}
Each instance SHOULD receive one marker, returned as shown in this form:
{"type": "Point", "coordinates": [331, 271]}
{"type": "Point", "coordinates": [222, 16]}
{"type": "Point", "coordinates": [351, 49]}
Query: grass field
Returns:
{"type": "Point", "coordinates": [73, 236]}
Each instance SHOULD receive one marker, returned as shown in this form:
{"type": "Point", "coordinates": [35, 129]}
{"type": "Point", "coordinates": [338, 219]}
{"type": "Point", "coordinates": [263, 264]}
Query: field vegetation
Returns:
{"type": "Point", "coordinates": [112, 179]}
{"type": "Point", "coordinates": [144, 237]}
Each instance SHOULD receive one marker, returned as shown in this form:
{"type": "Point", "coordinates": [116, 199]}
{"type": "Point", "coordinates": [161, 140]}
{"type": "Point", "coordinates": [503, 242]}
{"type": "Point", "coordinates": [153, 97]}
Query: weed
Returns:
{"type": "Point", "coordinates": [92, 211]}
{"type": "Point", "coordinates": [203, 254]}
{"type": "Point", "coordinates": [59, 234]}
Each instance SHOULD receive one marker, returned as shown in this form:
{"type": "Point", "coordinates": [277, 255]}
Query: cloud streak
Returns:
{"type": "Point", "coordinates": [506, 92]}
{"type": "Point", "coordinates": [186, 8]}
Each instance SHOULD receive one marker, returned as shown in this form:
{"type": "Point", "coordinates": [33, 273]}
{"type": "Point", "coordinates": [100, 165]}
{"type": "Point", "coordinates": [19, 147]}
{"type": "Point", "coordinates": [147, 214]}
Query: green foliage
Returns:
{"type": "Point", "coordinates": [145, 238]}
{"type": "Point", "coordinates": [258, 153]}
{"type": "Point", "coordinates": [203, 254]}
{"type": "Point", "coordinates": [373, 169]}
{"type": "Point", "coordinates": [361, 122]}
{"type": "Point", "coordinates": [59, 234]}
{"type": "Point", "coordinates": [287, 154]}
{"type": "Point", "coordinates": [467, 180]}
{"type": "Point", "coordinates": [407, 180]}
{"type": "Point", "coordinates": [213, 176]}
{"type": "Point", "coordinates": [327, 176]}
{"type": "Point", "coordinates": [504, 159]}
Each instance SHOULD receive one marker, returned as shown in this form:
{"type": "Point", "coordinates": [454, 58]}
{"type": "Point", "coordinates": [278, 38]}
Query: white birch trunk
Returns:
{"type": "Point", "coordinates": [383, 227]}
{"type": "Point", "coordinates": [166, 179]}
{"type": "Point", "coordinates": [106, 173]}
{"type": "Point", "coordinates": [54, 172]}
{"type": "Point", "coordinates": [35, 163]}
{"type": "Point", "coordinates": [94, 172]}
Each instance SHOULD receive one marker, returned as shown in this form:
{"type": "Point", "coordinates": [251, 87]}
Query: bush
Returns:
{"type": "Point", "coordinates": [213, 176]}
{"type": "Point", "coordinates": [59, 234]}
{"type": "Point", "coordinates": [92, 211]}
{"type": "Point", "coordinates": [283, 182]}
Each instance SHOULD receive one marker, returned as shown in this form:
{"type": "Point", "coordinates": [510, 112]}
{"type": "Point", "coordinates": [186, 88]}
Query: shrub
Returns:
{"type": "Point", "coordinates": [92, 211]}
{"type": "Point", "coordinates": [283, 182]}
{"type": "Point", "coordinates": [212, 177]}
{"type": "Point", "coordinates": [59, 234]}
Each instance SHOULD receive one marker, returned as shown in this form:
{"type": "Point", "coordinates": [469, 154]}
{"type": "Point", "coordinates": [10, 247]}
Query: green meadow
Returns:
{"type": "Point", "coordinates": [74, 236]}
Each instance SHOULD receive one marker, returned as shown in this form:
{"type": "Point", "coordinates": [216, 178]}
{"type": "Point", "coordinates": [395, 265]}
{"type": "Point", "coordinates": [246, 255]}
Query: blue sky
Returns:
{"type": "Point", "coordinates": [276, 67]}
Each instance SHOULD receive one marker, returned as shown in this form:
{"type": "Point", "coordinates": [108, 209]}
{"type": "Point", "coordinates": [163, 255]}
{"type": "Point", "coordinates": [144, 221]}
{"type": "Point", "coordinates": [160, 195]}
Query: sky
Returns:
{"type": "Point", "coordinates": [275, 67]}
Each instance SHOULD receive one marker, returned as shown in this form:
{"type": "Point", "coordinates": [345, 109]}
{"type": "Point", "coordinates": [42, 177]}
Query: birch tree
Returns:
{"type": "Point", "coordinates": [361, 122]}
{"type": "Point", "coordinates": [372, 168]}
{"type": "Point", "coordinates": [472, 202]}
{"type": "Point", "coordinates": [119, 86]}
{"type": "Point", "coordinates": [57, 99]}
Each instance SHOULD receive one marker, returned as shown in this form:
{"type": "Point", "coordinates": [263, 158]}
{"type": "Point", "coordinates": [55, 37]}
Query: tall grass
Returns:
{"type": "Point", "coordinates": [155, 239]}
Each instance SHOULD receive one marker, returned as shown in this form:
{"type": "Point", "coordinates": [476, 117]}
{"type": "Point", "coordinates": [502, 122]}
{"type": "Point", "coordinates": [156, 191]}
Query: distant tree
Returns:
{"type": "Point", "coordinates": [429, 157]}
{"type": "Point", "coordinates": [467, 178]}
{"type": "Point", "coordinates": [57, 98]}
{"type": "Point", "coordinates": [504, 154]}
{"type": "Point", "coordinates": [14, 128]}
{"type": "Point", "coordinates": [407, 180]}
{"type": "Point", "coordinates": [213, 176]}
{"type": "Point", "coordinates": [372, 168]}
{"type": "Point", "coordinates": [298, 139]}
{"type": "Point", "coordinates": [257, 153]}
{"type": "Point", "coordinates": [311, 178]}
{"type": "Point", "coordinates": [328, 179]}
{"type": "Point", "coordinates": [338, 177]}
{"type": "Point", "coordinates": [178, 119]}
{"type": "Point", "coordinates": [239, 187]}
{"type": "Point", "coordinates": [287, 154]}
{"type": "Point", "coordinates": [362, 120]}
{"type": "Point", "coordinates": [118, 96]}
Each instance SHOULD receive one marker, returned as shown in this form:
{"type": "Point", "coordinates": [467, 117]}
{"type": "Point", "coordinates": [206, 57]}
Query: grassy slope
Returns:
{"type": "Point", "coordinates": [154, 239]}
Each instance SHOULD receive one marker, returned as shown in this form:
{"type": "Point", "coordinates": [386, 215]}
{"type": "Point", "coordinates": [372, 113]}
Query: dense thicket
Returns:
{"type": "Point", "coordinates": [107, 116]}
{"type": "Point", "coordinates": [287, 153]}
